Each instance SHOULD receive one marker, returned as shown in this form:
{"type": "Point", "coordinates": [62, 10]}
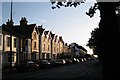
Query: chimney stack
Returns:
{"type": "Point", "coordinates": [23, 21]}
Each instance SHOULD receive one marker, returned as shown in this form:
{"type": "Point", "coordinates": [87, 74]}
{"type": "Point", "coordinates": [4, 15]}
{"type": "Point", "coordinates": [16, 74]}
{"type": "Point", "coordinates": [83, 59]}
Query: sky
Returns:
{"type": "Point", "coordinates": [70, 23]}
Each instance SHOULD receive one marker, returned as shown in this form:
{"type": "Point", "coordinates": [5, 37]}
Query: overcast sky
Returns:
{"type": "Point", "coordinates": [70, 23]}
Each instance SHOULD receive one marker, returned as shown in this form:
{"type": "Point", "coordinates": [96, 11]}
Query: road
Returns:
{"type": "Point", "coordinates": [90, 70]}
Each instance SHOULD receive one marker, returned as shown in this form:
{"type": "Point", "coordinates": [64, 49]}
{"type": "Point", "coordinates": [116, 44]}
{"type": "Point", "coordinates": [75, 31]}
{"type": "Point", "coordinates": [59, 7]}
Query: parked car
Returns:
{"type": "Point", "coordinates": [56, 62]}
{"type": "Point", "coordinates": [68, 61]}
{"type": "Point", "coordinates": [63, 61]}
{"type": "Point", "coordinates": [43, 64]}
{"type": "Point", "coordinates": [27, 66]}
{"type": "Point", "coordinates": [75, 60]}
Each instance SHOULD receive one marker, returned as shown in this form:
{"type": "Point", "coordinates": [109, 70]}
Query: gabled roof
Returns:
{"type": "Point", "coordinates": [56, 37]}
{"type": "Point", "coordinates": [46, 33]}
{"type": "Point", "coordinates": [49, 35]}
{"type": "Point", "coordinates": [52, 35]}
{"type": "Point", "coordinates": [66, 44]}
{"type": "Point", "coordinates": [60, 39]}
{"type": "Point", "coordinates": [40, 29]}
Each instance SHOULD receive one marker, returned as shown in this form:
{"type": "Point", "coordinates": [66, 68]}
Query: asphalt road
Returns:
{"type": "Point", "coordinates": [90, 70]}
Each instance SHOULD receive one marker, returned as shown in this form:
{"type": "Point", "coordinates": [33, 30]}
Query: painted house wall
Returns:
{"type": "Point", "coordinates": [5, 52]}
{"type": "Point", "coordinates": [35, 46]}
{"type": "Point", "coordinates": [6, 48]}
{"type": "Point", "coordinates": [61, 47]}
{"type": "Point", "coordinates": [45, 44]}
{"type": "Point", "coordinates": [48, 46]}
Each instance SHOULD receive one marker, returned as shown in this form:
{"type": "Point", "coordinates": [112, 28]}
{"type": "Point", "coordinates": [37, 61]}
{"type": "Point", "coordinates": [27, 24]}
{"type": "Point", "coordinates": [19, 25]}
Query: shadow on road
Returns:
{"type": "Point", "coordinates": [95, 74]}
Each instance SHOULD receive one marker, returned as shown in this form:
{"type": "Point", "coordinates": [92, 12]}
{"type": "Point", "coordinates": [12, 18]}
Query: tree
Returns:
{"type": "Point", "coordinates": [108, 39]}
{"type": "Point", "coordinates": [93, 41]}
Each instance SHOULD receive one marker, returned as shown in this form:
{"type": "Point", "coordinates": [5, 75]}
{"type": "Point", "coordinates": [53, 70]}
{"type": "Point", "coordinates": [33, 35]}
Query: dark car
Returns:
{"type": "Point", "coordinates": [27, 66]}
{"type": "Point", "coordinates": [68, 61]}
{"type": "Point", "coordinates": [75, 60]}
{"type": "Point", "coordinates": [43, 64]}
{"type": "Point", "coordinates": [57, 62]}
{"type": "Point", "coordinates": [63, 61]}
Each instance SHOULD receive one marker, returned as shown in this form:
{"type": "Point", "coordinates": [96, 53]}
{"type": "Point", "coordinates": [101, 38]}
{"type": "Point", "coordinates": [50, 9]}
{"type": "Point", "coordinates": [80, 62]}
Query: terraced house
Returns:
{"type": "Point", "coordinates": [66, 49]}
{"type": "Point", "coordinates": [61, 46]}
{"type": "Point", "coordinates": [46, 48]}
{"type": "Point", "coordinates": [29, 42]}
{"type": "Point", "coordinates": [19, 43]}
{"type": "Point", "coordinates": [55, 48]}
{"type": "Point", "coordinates": [5, 44]}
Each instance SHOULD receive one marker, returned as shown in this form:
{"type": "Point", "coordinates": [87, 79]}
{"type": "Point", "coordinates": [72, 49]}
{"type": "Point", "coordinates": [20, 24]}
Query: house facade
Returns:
{"type": "Point", "coordinates": [66, 49]}
{"type": "Point", "coordinates": [5, 45]}
{"type": "Point", "coordinates": [61, 46]}
{"type": "Point", "coordinates": [46, 45]}
{"type": "Point", "coordinates": [77, 51]}
{"type": "Point", "coordinates": [29, 42]}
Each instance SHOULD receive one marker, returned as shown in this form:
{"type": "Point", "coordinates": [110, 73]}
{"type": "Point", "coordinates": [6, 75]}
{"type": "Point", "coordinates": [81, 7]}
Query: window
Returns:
{"type": "Point", "coordinates": [0, 40]}
{"type": "Point", "coordinates": [26, 42]}
{"type": "Point", "coordinates": [43, 55]}
{"type": "Point", "coordinates": [43, 38]}
{"type": "Point", "coordinates": [10, 58]}
{"type": "Point", "coordinates": [44, 47]}
{"type": "Point", "coordinates": [8, 41]}
{"type": "Point", "coordinates": [14, 42]}
{"type": "Point", "coordinates": [35, 45]}
{"type": "Point", "coordinates": [35, 35]}
{"type": "Point", "coordinates": [48, 48]}
{"type": "Point", "coordinates": [57, 49]}
{"type": "Point", "coordinates": [54, 49]}
{"type": "Point", "coordinates": [61, 48]}
{"type": "Point", "coordinates": [47, 56]}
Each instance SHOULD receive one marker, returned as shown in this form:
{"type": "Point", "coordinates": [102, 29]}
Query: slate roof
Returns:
{"type": "Point", "coordinates": [19, 30]}
{"type": "Point", "coordinates": [60, 38]}
{"type": "Point", "coordinates": [52, 35]}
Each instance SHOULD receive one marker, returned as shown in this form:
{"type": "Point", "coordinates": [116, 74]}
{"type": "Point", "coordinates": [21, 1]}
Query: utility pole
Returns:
{"type": "Point", "coordinates": [11, 25]}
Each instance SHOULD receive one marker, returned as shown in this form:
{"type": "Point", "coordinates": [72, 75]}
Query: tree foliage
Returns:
{"type": "Point", "coordinates": [66, 3]}
{"type": "Point", "coordinates": [104, 40]}
{"type": "Point", "coordinates": [93, 41]}
{"type": "Point", "coordinates": [74, 3]}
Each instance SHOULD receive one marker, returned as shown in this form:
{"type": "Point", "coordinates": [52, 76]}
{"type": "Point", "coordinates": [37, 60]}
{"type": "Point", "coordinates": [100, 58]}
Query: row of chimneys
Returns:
{"type": "Point", "coordinates": [23, 22]}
